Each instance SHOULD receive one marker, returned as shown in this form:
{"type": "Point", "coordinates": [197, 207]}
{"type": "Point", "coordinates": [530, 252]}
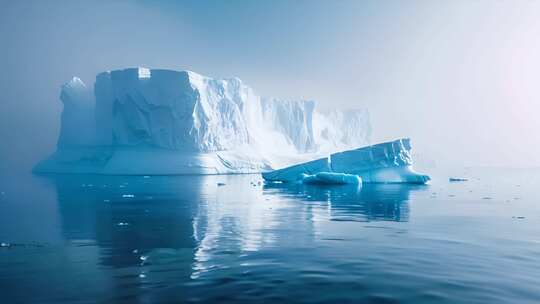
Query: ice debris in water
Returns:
{"type": "Point", "coordinates": [122, 224]}
{"type": "Point", "coordinates": [221, 184]}
{"type": "Point", "coordinates": [128, 195]}
{"type": "Point", "coordinates": [458, 179]}
{"type": "Point", "coordinates": [5, 244]}
{"type": "Point", "coordinates": [330, 178]}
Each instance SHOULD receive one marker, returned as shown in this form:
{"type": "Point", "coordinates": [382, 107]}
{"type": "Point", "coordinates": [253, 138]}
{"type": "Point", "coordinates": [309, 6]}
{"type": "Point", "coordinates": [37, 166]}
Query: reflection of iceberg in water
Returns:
{"type": "Point", "coordinates": [164, 217]}
{"type": "Point", "coordinates": [387, 202]}
{"type": "Point", "coordinates": [233, 223]}
{"type": "Point", "coordinates": [188, 228]}
{"type": "Point", "coordinates": [156, 215]}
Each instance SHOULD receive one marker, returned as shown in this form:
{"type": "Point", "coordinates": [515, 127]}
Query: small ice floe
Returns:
{"type": "Point", "coordinates": [122, 224]}
{"type": "Point", "coordinates": [330, 178]}
{"type": "Point", "coordinates": [142, 275]}
{"type": "Point", "coordinates": [2, 193]}
{"type": "Point", "coordinates": [106, 201]}
{"type": "Point", "coordinates": [458, 179]}
{"type": "Point", "coordinates": [128, 195]}
{"type": "Point", "coordinates": [221, 184]}
{"type": "Point", "coordinates": [143, 258]}
{"type": "Point", "coordinates": [5, 245]}
{"type": "Point", "coordinates": [135, 251]}
{"type": "Point", "coordinates": [146, 176]}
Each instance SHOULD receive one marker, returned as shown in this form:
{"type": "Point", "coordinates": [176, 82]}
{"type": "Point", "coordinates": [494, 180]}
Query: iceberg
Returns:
{"type": "Point", "coordinates": [141, 121]}
{"type": "Point", "coordinates": [388, 162]}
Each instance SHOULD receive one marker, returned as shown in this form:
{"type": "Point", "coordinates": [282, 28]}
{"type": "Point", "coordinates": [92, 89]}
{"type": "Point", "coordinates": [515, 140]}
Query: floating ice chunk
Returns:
{"type": "Point", "coordinates": [128, 195]}
{"type": "Point", "coordinates": [123, 224]}
{"type": "Point", "coordinates": [144, 72]}
{"type": "Point", "coordinates": [291, 174]}
{"type": "Point", "coordinates": [5, 245]}
{"type": "Point", "coordinates": [388, 162]}
{"type": "Point", "coordinates": [458, 179]}
{"type": "Point", "coordinates": [331, 178]}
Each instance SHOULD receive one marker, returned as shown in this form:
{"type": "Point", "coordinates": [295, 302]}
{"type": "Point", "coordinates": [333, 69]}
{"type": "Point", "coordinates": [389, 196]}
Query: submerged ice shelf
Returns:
{"type": "Point", "coordinates": [144, 121]}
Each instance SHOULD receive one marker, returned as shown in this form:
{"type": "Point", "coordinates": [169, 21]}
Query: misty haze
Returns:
{"type": "Point", "coordinates": [285, 151]}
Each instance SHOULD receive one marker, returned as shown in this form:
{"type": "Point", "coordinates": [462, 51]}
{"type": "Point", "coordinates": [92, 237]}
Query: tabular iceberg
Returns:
{"type": "Point", "coordinates": [153, 121]}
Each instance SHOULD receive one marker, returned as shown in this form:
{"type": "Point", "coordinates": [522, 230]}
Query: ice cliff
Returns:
{"type": "Point", "coordinates": [152, 121]}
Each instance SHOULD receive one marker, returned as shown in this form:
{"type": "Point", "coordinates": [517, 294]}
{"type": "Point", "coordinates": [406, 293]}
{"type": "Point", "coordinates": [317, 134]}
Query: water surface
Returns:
{"type": "Point", "coordinates": [87, 239]}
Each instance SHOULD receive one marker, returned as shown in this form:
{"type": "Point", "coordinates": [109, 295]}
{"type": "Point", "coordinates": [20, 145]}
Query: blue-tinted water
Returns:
{"type": "Point", "coordinates": [87, 239]}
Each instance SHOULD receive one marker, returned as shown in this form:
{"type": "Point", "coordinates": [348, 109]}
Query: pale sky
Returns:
{"type": "Point", "coordinates": [457, 77]}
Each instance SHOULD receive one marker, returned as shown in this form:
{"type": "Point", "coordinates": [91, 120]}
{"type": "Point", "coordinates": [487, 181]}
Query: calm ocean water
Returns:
{"type": "Point", "coordinates": [88, 239]}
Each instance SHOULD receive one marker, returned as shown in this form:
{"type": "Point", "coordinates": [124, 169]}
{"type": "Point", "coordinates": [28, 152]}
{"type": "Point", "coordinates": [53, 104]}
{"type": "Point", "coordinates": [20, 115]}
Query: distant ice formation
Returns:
{"type": "Point", "coordinates": [151, 121]}
{"type": "Point", "coordinates": [457, 179]}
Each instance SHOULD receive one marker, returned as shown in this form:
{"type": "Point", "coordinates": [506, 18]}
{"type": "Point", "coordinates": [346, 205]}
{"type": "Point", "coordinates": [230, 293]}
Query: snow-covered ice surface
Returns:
{"type": "Point", "coordinates": [388, 162]}
{"type": "Point", "coordinates": [151, 121]}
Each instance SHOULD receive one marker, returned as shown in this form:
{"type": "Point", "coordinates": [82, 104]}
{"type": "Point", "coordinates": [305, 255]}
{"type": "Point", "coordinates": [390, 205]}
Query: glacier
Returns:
{"type": "Point", "coordinates": [141, 121]}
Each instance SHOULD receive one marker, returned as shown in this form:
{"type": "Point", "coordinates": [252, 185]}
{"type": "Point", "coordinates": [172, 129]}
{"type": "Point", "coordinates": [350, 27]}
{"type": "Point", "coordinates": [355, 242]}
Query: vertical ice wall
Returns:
{"type": "Point", "coordinates": [182, 110]}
